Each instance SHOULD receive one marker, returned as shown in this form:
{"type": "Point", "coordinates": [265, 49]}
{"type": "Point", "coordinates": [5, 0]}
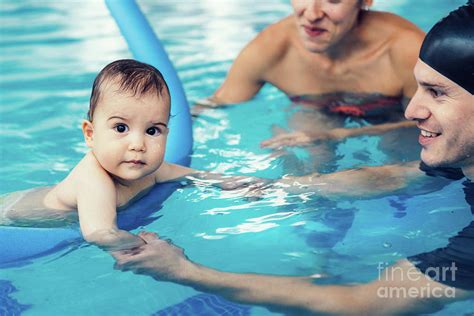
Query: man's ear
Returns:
{"type": "Point", "coordinates": [88, 132]}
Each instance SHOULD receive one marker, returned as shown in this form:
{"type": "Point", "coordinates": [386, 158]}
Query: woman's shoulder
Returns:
{"type": "Point", "coordinates": [279, 30]}
{"type": "Point", "coordinates": [386, 24]}
{"type": "Point", "coordinates": [274, 41]}
{"type": "Point", "coordinates": [401, 38]}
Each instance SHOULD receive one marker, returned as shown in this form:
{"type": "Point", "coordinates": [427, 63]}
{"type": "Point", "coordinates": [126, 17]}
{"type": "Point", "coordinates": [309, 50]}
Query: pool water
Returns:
{"type": "Point", "coordinates": [50, 52]}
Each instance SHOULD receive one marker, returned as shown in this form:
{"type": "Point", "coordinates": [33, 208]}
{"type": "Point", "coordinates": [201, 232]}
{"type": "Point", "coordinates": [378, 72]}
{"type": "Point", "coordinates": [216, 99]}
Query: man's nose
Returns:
{"type": "Point", "coordinates": [416, 109]}
{"type": "Point", "coordinates": [136, 142]}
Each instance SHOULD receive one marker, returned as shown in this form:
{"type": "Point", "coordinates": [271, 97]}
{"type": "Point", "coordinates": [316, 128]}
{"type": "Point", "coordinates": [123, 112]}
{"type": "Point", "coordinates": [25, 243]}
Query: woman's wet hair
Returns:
{"type": "Point", "coordinates": [449, 46]}
{"type": "Point", "coordinates": [132, 76]}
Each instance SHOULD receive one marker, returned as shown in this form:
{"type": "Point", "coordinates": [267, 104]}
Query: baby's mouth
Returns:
{"type": "Point", "coordinates": [135, 162]}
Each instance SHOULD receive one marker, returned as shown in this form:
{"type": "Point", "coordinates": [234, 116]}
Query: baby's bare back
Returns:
{"type": "Point", "coordinates": [27, 208]}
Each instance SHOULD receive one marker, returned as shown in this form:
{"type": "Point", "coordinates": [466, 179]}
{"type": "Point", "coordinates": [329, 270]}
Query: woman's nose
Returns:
{"type": "Point", "coordinates": [314, 11]}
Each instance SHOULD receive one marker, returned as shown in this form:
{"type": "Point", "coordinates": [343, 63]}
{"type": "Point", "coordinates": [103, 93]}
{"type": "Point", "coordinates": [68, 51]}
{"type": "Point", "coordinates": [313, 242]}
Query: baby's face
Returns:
{"type": "Point", "coordinates": [129, 133]}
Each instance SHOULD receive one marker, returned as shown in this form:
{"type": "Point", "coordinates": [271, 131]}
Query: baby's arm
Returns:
{"type": "Point", "coordinates": [96, 205]}
{"type": "Point", "coordinates": [172, 172]}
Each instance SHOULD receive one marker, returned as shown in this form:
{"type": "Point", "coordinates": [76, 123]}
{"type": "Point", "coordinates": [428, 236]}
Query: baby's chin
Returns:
{"type": "Point", "coordinates": [128, 178]}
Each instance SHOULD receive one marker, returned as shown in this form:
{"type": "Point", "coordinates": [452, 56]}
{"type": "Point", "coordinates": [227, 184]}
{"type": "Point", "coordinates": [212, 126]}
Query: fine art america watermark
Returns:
{"type": "Point", "coordinates": [399, 275]}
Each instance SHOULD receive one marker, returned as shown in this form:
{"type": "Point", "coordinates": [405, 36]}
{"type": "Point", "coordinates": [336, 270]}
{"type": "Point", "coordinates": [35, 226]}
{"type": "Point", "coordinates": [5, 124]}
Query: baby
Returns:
{"type": "Point", "coordinates": [126, 132]}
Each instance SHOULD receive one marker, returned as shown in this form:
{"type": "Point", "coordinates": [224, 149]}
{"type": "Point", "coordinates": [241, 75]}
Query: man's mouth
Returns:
{"type": "Point", "coordinates": [429, 134]}
{"type": "Point", "coordinates": [426, 137]}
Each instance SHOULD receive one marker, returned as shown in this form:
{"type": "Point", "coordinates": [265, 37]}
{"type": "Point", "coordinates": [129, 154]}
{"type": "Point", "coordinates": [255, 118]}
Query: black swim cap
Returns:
{"type": "Point", "coordinates": [449, 46]}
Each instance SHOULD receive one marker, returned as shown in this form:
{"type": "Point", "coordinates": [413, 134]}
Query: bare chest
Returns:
{"type": "Point", "coordinates": [129, 194]}
{"type": "Point", "coordinates": [373, 73]}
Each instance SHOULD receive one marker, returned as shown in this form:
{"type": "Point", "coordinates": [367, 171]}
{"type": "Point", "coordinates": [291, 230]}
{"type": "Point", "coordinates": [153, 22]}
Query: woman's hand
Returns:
{"type": "Point", "coordinates": [304, 138]}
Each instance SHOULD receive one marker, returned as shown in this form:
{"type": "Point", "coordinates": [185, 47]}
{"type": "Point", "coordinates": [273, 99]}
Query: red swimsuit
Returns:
{"type": "Point", "coordinates": [353, 104]}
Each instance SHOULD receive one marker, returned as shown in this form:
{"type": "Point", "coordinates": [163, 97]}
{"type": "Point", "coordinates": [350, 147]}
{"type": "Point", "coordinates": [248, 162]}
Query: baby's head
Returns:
{"type": "Point", "coordinates": [129, 76]}
{"type": "Point", "coordinates": [127, 120]}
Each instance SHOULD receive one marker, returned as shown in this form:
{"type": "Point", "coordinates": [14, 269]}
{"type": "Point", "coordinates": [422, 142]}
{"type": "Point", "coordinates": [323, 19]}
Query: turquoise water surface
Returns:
{"type": "Point", "coordinates": [50, 52]}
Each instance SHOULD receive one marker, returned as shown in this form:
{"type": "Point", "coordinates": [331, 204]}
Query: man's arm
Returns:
{"type": "Point", "coordinates": [293, 295]}
{"type": "Point", "coordinates": [365, 181]}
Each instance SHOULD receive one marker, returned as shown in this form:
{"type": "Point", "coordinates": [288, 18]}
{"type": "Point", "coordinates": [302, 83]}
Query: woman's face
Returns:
{"type": "Point", "coordinates": [324, 23]}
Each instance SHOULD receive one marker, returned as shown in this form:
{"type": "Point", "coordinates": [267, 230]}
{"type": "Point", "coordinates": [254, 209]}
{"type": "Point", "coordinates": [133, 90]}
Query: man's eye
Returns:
{"type": "Point", "coordinates": [435, 93]}
{"type": "Point", "coordinates": [121, 128]}
{"type": "Point", "coordinates": [153, 131]}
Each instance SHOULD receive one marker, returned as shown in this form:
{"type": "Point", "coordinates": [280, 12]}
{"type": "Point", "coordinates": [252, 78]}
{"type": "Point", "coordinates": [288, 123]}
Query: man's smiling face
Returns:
{"type": "Point", "coordinates": [444, 112]}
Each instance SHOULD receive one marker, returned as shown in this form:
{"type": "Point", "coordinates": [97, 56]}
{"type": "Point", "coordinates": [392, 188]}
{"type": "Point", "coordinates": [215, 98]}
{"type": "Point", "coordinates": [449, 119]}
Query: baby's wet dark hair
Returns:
{"type": "Point", "coordinates": [449, 46]}
{"type": "Point", "coordinates": [132, 76]}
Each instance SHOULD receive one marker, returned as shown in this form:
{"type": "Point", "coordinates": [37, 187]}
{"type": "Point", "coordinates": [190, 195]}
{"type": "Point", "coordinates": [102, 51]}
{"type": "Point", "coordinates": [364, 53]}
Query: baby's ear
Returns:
{"type": "Point", "coordinates": [88, 131]}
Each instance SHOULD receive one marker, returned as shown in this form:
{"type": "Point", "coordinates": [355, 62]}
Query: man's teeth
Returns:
{"type": "Point", "coordinates": [428, 134]}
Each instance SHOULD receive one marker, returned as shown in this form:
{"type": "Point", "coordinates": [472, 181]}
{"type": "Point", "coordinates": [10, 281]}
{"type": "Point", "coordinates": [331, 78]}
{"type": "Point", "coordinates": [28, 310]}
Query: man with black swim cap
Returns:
{"type": "Point", "coordinates": [449, 47]}
{"type": "Point", "coordinates": [443, 108]}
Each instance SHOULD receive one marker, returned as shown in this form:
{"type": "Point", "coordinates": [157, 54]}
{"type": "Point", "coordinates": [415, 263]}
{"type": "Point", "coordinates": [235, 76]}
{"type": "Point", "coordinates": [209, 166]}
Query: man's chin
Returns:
{"type": "Point", "coordinates": [432, 162]}
{"type": "Point", "coordinates": [436, 163]}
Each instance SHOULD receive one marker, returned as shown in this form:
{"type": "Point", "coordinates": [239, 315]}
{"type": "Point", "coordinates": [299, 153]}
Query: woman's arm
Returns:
{"type": "Point", "coordinates": [248, 71]}
{"type": "Point", "coordinates": [307, 138]}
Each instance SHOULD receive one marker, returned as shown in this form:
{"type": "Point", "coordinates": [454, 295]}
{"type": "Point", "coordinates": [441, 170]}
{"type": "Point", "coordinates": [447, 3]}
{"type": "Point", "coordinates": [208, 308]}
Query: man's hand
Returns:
{"type": "Point", "coordinates": [304, 138]}
{"type": "Point", "coordinates": [157, 258]}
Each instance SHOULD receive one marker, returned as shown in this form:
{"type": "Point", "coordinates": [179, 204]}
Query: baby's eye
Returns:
{"type": "Point", "coordinates": [121, 128]}
{"type": "Point", "coordinates": [153, 131]}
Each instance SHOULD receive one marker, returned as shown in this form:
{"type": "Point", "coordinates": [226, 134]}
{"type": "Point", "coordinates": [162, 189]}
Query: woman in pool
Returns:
{"type": "Point", "coordinates": [334, 57]}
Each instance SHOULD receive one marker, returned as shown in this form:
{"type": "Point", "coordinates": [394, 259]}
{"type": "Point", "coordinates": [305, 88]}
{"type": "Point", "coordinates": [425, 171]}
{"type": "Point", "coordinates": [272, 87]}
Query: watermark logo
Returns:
{"type": "Point", "coordinates": [398, 275]}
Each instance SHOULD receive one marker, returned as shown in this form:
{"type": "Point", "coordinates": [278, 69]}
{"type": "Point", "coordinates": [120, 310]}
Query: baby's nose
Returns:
{"type": "Point", "coordinates": [137, 143]}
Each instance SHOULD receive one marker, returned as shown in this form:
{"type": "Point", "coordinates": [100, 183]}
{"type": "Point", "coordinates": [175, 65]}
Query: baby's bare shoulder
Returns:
{"type": "Point", "coordinates": [88, 174]}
